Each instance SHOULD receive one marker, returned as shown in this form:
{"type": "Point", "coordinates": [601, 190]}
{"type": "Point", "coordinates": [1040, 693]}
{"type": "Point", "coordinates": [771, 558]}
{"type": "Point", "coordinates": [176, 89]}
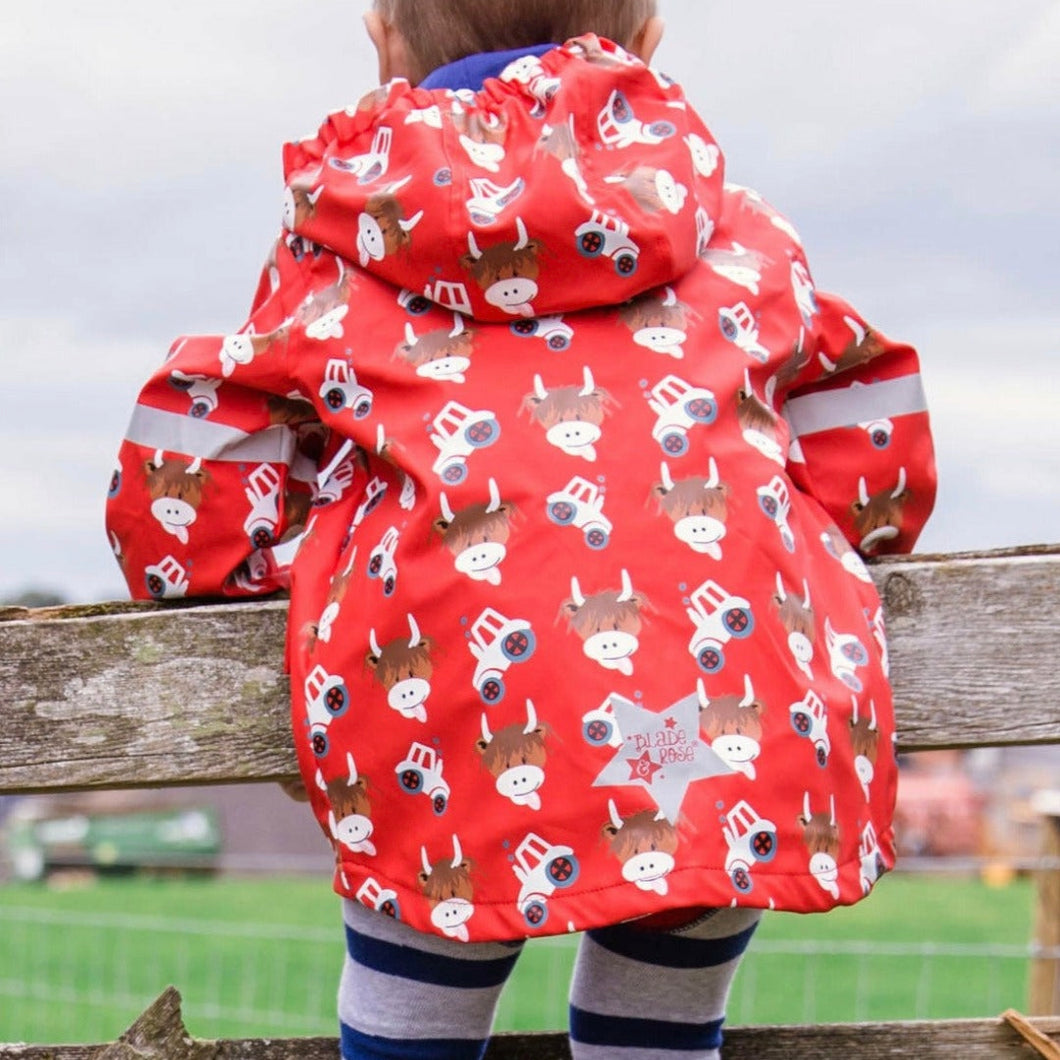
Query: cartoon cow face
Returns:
{"type": "Point", "coordinates": [657, 324]}
{"type": "Point", "coordinates": [865, 741]}
{"type": "Point", "coordinates": [322, 313]}
{"type": "Point", "coordinates": [448, 889]}
{"type": "Point", "coordinates": [350, 815]}
{"type": "Point", "coordinates": [796, 616]}
{"type": "Point", "coordinates": [653, 189]}
{"type": "Point", "coordinates": [697, 507]}
{"type": "Point", "coordinates": [506, 272]}
{"type": "Point", "coordinates": [477, 535]}
{"type": "Point", "coordinates": [175, 489]}
{"type": "Point", "coordinates": [383, 228]}
{"type": "Point", "coordinates": [299, 205]}
{"type": "Point", "coordinates": [820, 833]}
{"type": "Point", "coordinates": [878, 518]}
{"type": "Point", "coordinates": [733, 725]}
{"type": "Point", "coordinates": [608, 623]}
{"type": "Point", "coordinates": [645, 843]}
{"type": "Point", "coordinates": [515, 755]}
{"type": "Point", "coordinates": [704, 156]}
{"type": "Point", "coordinates": [571, 415]}
{"type": "Point", "coordinates": [404, 669]}
{"type": "Point", "coordinates": [440, 354]}
{"type": "Point", "coordinates": [862, 348]}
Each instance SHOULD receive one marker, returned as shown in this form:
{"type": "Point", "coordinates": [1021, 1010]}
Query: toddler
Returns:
{"type": "Point", "coordinates": [569, 470]}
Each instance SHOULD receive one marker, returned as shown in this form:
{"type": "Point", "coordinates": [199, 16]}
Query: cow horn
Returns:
{"type": "Point", "coordinates": [715, 478]}
{"type": "Point", "coordinates": [427, 868]}
{"type": "Point", "coordinates": [495, 496]}
{"type": "Point", "coordinates": [411, 338]}
{"type": "Point", "coordinates": [748, 691]}
{"type": "Point", "coordinates": [195, 466]}
{"type": "Point", "coordinates": [872, 715]}
{"type": "Point", "coordinates": [458, 326]}
{"type": "Point", "coordinates": [831, 809]}
{"type": "Point", "coordinates": [472, 246]}
{"type": "Point", "coordinates": [447, 511]}
{"type": "Point", "coordinates": [854, 716]}
{"type": "Point", "coordinates": [627, 587]}
{"type": "Point", "coordinates": [414, 630]}
{"type": "Point", "coordinates": [351, 765]}
{"type": "Point", "coordinates": [380, 437]}
{"type": "Point", "coordinates": [863, 491]}
{"type": "Point", "coordinates": [159, 458]}
{"type": "Point", "coordinates": [486, 734]}
{"type": "Point", "coordinates": [805, 594]}
{"type": "Point", "coordinates": [531, 717]}
{"type": "Point", "coordinates": [856, 327]}
{"type": "Point", "coordinates": [780, 588]}
{"type": "Point", "coordinates": [900, 488]}
{"type": "Point", "coordinates": [589, 384]}
{"type": "Point", "coordinates": [373, 643]}
{"type": "Point", "coordinates": [616, 820]}
{"type": "Point", "coordinates": [701, 691]}
{"type": "Point", "coordinates": [806, 806]}
{"type": "Point", "coordinates": [670, 299]}
{"type": "Point", "coordinates": [312, 196]}
{"type": "Point", "coordinates": [576, 591]}
{"type": "Point", "coordinates": [458, 854]}
{"type": "Point", "coordinates": [408, 224]}
{"type": "Point", "coordinates": [667, 478]}
{"type": "Point", "coordinates": [748, 389]}
{"type": "Point", "coordinates": [523, 237]}
{"type": "Point", "coordinates": [539, 388]}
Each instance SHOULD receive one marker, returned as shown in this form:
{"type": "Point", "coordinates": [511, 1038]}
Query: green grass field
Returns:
{"type": "Point", "coordinates": [261, 957]}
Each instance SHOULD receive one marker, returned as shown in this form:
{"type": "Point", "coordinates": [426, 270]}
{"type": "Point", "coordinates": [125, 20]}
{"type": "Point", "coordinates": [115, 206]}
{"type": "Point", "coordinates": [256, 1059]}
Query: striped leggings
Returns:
{"type": "Point", "coordinates": [640, 991]}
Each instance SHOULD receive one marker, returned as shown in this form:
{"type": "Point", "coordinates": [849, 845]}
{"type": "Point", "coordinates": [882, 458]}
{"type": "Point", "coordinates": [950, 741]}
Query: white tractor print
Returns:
{"type": "Point", "coordinates": [340, 389]}
{"type": "Point", "coordinates": [496, 642]}
{"type": "Point", "coordinates": [718, 617]}
{"type": "Point", "coordinates": [381, 564]}
{"type": "Point", "coordinates": [580, 504]}
{"type": "Point", "coordinates": [541, 867]}
{"type": "Point", "coordinates": [809, 718]}
{"type": "Point", "coordinates": [775, 503]}
{"type": "Point", "coordinates": [751, 840]}
{"type": "Point", "coordinates": [167, 579]}
{"type": "Point", "coordinates": [263, 493]}
{"type": "Point", "coordinates": [845, 653]}
{"type": "Point", "coordinates": [381, 899]}
{"type": "Point", "coordinates": [599, 726]}
{"type": "Point", "coordinates": [373, 163]}
{"type": "Point", "coordinates": [326, 697]}
{"type": "Point", "coordinates": [618, 125]}
{"type": "Point", "coordinates": [679, 406]}
{"type": "Point", "coordinates": [457, 433]}
{"type": "Point", "coordinates": [201, 391]}
{"type": "Point", "coordinates": [872, 866]}
{"type": "Point", "coordinates": [551, 330]}
{"type": "Point", "coordinates": [802, 289]}
{"type": "Point", "coordinates": [489, 200]}
{"type": "Point", "coordinates": [609, 237]}
{"type": "Point", "coordinates": [420, 773]}
{"type": "Point", "coordinates": [739, 326]}
{"type": "Point", "coordinates": [414, 304]}
{"type": "Point", "coordinates": [449, 295]}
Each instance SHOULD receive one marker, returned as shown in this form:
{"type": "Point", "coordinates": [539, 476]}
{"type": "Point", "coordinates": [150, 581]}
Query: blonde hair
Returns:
{"type": "Point", "coordinates": [441, 31]}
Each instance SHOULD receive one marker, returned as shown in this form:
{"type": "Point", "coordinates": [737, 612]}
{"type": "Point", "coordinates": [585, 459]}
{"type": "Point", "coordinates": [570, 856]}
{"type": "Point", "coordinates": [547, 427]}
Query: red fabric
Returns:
{"type": "Point", "coordinates": [578, 631]}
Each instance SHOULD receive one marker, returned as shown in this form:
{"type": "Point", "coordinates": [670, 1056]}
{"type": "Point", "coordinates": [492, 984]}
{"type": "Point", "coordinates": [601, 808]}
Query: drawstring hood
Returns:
{"type": "Point", "coordinates": [577, 178]}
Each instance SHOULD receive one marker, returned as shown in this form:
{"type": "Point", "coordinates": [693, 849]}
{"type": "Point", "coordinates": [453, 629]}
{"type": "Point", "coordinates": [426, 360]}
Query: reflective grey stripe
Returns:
{"type": "Point", "coordinates": [827, 409]}
{"type": "Point", "coordinates": [173, 432]}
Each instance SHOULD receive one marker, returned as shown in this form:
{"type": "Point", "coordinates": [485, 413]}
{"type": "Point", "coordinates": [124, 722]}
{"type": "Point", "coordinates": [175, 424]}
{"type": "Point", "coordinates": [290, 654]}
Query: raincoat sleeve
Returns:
{"type": "Point", "coordinates": [214, 478]}
{"type": "Point", "coordinates": [860, 435]}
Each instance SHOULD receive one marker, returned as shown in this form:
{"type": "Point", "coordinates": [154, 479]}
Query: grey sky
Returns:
{"type": "Point", "coordinates": [914, 144]}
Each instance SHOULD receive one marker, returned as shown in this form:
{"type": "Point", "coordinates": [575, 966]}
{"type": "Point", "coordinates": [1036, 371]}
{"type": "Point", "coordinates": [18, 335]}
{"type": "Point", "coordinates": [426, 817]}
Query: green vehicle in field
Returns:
{"type": "Point", "coordinates": [180, 839]}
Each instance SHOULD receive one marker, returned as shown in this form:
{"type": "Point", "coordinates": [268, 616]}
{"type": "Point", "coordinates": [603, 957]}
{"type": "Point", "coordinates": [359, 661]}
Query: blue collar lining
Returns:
{"type": "Point", "coordinates": [471, 71]}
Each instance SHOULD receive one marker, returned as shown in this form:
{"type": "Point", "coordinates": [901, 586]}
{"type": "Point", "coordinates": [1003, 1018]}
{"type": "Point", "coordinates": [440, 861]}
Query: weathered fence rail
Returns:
{"type": "Point", "coordinates": [133, 695]}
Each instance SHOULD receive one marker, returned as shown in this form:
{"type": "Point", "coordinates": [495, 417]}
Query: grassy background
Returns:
{"type": "Point", "coordinates": [261, 957]}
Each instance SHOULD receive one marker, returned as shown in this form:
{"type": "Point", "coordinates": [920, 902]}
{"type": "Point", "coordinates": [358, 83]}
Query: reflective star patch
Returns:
{"type": "Point", "coordinates": [660, 752]}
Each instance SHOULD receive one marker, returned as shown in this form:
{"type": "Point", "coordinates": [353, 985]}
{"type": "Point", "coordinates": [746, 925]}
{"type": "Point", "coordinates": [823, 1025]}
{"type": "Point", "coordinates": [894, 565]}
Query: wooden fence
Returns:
{"type": "Point", "coordinates": [137, 695]}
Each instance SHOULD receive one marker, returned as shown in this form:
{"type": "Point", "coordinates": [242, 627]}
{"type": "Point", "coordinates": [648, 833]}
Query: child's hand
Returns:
{"type": "Point", "coordinates": [294, 787]}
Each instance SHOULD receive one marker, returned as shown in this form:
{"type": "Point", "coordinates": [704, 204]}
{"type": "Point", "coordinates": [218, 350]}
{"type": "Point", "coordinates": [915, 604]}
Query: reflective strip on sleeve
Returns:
{"type": "Point", "coordinates": [173, 432]}
{"type": "Point", "coordinates": [825, 410]}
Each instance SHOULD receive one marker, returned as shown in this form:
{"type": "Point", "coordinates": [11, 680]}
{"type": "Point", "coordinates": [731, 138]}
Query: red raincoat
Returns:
{"type": "Point", "coordinates": [563, 458]}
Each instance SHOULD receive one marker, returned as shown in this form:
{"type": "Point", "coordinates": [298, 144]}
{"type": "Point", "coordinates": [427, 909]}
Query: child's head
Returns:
{"type": "Point", "coordinates": [414, 37]}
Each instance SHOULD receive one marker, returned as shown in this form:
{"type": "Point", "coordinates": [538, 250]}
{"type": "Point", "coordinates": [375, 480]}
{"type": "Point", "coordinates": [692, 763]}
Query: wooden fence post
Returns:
{"type": "Point", "coordinates": [1045, 967]}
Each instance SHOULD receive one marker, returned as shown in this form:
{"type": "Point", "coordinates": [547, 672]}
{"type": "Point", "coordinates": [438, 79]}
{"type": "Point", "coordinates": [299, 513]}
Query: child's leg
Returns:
{"type": "Point", "coordinates": [405, 994]}
{"type": "Point", "coordinates": [644, 993]}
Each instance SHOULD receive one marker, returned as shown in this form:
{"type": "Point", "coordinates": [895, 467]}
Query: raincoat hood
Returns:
{"type": "Point", "coordinates": [575, 179]}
